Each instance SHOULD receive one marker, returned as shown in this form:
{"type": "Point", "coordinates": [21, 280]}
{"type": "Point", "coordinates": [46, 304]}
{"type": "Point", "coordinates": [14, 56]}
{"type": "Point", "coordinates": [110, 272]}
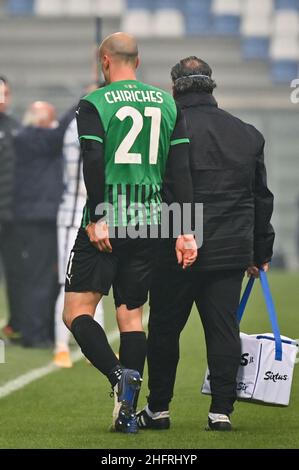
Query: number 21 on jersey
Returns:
{"type": "Point", "coordinates": [123, 154]}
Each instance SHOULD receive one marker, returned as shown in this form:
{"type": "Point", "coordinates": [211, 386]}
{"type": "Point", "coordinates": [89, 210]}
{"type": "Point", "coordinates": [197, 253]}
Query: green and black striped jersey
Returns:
{"type": "Point", "coordinates": [138, 125]}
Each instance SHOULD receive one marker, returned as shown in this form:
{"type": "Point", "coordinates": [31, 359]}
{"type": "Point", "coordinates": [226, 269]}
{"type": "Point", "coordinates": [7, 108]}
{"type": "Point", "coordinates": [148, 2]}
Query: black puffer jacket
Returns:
{"type": "Point", "coordinates": [39, 183]}
{"type": "Point", "coordinates": [229, 178]}
{"type": "Point", "coordinates": [8, 129]}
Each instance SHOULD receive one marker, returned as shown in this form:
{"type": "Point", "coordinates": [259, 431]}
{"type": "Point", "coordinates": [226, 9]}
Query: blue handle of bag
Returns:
{"type": "Point", "coordinates": [244, 299]}
{"type": "Point", "coordinates": [270, 308]}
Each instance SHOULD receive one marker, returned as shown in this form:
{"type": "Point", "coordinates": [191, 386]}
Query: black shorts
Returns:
{"type": "Point", "coordinates": [128, 269]}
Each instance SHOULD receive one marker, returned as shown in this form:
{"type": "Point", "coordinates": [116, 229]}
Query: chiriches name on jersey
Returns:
{"type": "Point", "coordinates": [140, 96]}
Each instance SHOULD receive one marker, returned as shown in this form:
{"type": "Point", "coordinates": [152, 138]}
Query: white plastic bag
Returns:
{"type": "Point", "coordinates": [267, 361]}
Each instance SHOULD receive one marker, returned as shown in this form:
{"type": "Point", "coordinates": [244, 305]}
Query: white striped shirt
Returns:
{"type": "Point", "coordinates": [74, 195]}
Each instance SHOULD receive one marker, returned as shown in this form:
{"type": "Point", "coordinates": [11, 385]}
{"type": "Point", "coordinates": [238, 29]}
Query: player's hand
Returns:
{"type": "Point", "coordinates": [98, 234]}
{"type": "Point", "coordinates": [186, 250]}
{"type": "Point", "coordinates": [253, 271]}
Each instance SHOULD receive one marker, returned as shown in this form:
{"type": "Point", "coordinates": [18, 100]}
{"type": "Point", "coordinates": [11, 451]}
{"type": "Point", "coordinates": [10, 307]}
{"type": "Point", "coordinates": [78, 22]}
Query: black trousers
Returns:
{"type": "Point", "coordinates": [39, 282]}
{"type": "Point", "coordinates": [216, 295]}
{"type": "Point", "coordinates": [10, 249]}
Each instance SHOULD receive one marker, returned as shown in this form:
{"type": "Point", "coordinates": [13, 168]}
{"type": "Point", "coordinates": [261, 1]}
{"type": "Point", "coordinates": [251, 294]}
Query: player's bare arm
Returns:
{"type": "Point", "coordinates": [91, 140]}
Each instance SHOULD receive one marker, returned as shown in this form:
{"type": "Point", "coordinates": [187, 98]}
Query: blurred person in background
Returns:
{"type": "Point", "coordinates": [38, 192]}
{"type": "Point", "coordinates": [8, 242]}
{"type": "Point", "coordinates": [229, 178]}
{"type": "Point", "coordinates": [68, 223]}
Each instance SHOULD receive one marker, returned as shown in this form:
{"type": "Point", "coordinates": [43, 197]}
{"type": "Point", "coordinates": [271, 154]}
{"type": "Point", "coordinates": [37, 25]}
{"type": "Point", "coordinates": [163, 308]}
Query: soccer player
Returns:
{"type": "Point", "coordinates": [129, 133]}
{"type": "Point", "coordinates": [68, 222]}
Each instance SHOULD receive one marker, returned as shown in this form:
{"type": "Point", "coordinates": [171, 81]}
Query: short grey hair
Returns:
{"type": "Point", "coordinates": [192, 74]}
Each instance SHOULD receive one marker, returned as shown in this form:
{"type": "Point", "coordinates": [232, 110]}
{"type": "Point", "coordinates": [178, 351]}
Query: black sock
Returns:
{"type": "Point", "coordinates": [132, 350]}
{"type": "Point", "coordinates": [94, 344]}
{"type": "Point", "coordinates": [132, 353]}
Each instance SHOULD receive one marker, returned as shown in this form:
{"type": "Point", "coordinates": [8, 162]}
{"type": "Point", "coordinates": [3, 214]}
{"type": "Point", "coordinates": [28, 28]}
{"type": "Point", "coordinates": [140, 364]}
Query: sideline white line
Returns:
{"type": "Point", "coordinates": [35, 374]}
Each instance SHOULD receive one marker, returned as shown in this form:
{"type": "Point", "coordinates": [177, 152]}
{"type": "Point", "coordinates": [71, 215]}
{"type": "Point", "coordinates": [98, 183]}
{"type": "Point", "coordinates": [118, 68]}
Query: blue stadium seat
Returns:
{"type": "Point", "coordinates": [138, 4]}
{"type": "Point", "coordinates": [287, 4]}
{"type": "Point", "coordinates": [202, 6]}
{"type": "Point", "coordinates": [226, 16]}
{"type": "Point", "coordinates": [284, 71]}
{"type": "Point", "coordinates": [198, 16]}
{"type": "Point", "coordinates": [165, 4]}
{"type": "Point", "coordinates": [21, 7]}
{"type": "Point", "coordinates": [226, 24]}
{"type": "Point", "coordinates": [255, 47]}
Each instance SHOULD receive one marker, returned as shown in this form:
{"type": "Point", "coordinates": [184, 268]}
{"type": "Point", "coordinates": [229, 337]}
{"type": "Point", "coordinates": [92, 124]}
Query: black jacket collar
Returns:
{"type": "Point", "coordinates": [194, 98]}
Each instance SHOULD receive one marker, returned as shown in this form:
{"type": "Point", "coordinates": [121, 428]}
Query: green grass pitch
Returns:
{"type": "Point", "coordinates": [72, 408]}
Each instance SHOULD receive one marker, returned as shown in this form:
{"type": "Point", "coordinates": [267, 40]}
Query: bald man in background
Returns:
{"type": "Point", "coordinates": [38, 192]}
{"type": "Point", "coordinates": [131, 133]}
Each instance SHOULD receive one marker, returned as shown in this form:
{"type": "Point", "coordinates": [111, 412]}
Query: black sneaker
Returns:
{"type": "Point", "coordinates": [218, 422]}
{"type": "Point", "coordinates": [148, 420]}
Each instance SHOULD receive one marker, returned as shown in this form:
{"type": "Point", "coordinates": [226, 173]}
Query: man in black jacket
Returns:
{"type": "Point", "coordinates": [229, 178]}
{"type": "Point", "coordinates": [8, 129]}
{"type": "Point", "coordinates": [38, 193]}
